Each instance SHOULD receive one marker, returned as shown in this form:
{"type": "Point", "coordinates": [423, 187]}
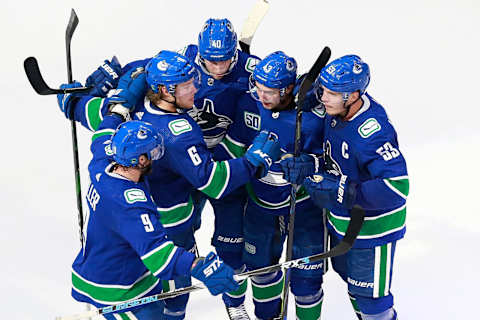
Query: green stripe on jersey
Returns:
{"type": "Point", "coordinates": [177, 214]}
{"type": "Point", "coordinates": [218, 180]}
{"type": "Point", "coordinates": [112, 294]}
{"type": "Point", "coordinates": [234, 148]}
{"type": "Point", "coordinates": [93, 113]}
{"type": "Point", "coordinates": [101, 133]}
{"type": "Point", "coordinates": [159, 258]}
{"type": "Point", "coordinates": [400, 185]}
{"type": "Point", "coordinates": [373, 227]}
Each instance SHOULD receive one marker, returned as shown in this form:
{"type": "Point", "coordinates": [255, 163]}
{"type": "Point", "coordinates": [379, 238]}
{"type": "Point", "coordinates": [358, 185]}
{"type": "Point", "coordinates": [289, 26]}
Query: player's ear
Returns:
{"type": "Point", "coordinates": [164, 91]}
{"type": "Point", "coordinates": [289, 89]}
{"type": "Point", "coordinates": [143, 160]}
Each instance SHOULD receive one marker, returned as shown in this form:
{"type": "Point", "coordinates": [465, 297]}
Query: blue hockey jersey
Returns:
{"type": "Point", "coordinates": [214, 109]}
{"type": "Point", "coordinates": [271, 194]}
{"type": "Point", "coordinates": [187, 165]}
{"type": "Point", "coordinates": [126, 251]}
{"type": "Point", "coordinates": [365, 148]}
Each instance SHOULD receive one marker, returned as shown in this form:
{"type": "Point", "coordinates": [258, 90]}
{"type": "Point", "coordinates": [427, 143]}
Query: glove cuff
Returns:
{"type": "Point", "coordinates": [121, 110]}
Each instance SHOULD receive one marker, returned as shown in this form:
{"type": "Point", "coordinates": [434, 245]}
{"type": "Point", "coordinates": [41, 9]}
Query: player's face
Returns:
{"type": "Point", "coordinates": [218, 68]}
{"type": "Point", "coordinates": [333, 101]}
{"type": "Point", "coordinates": [269, 97]}
{"type": "Point", "coordinates": [185, 93]}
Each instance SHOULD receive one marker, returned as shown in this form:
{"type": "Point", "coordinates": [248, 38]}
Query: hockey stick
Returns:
{"type": "Point", "coordinates": [357, 215]}
{"type": "Point", "coordinates": [36, 80]}
{"type": "Point", "coordinates": [254, 18]}
{"type": "Point", "coordinates": [305, 86]}
{"type": "Point", "coordinates": [72, 24]}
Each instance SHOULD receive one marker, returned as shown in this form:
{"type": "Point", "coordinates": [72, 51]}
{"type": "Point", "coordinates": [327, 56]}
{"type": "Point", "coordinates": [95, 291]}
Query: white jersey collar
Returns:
{"type": "Point", "coordinates": [148, 106]}
{"type": "Point", "coordinates": [365, 107]}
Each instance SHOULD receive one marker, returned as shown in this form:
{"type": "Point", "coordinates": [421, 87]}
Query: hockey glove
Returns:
{"type": "Point", "coordinates": [329, 191]}
{"type": "Point", "coordinates": [105, 78]}
{"type": "Point", "coordinates": [66, 101]}
{"type": "Point", "coordinates": [132, 86]}
{"type": "Point", "coordinates": [295, 170]}
{"type": "Point", "coordinates": [215, 274]}
{"type": "Point", "coordinates": [264, 150]}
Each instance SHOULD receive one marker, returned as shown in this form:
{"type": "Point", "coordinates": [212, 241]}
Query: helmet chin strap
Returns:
{"type": "Point", "coordinates": [171, 91]}
{"type": "Point", "coordinates": [233, 61]}
{"type": "Point", "coordinates": [347, 107]}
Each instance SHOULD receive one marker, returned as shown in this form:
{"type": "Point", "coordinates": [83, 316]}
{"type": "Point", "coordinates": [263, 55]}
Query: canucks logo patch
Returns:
{"type": "Point", "coordinates": [208, 119]}
{"type": "Point", "coordinates": [135, 195]}
{"type": "Point", "coordinates": [369, 127]}
{"type": "Point", "coordinates": [179, 126]}
{"type": "Point", "coordinates": [251, 64]}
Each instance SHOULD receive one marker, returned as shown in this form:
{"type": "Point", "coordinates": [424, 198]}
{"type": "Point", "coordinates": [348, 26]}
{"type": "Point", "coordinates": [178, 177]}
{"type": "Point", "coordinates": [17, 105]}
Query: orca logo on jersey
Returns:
{"type": "Point", "coordinates": [331, 166]}
{"type": "Point", "coordinates": [208, 119]}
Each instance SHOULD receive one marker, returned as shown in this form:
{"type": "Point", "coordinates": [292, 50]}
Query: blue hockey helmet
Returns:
{"type": "Point", "coordinates": [346, 75]}
{"type": "Point", "coordinates": [169, 68]}
{"type": "Point", "coordinates": [277, 70]}
{"type": "Point", "coordinates": [217, 41]}
{"type": "Point", "coordinates": [134, 138]}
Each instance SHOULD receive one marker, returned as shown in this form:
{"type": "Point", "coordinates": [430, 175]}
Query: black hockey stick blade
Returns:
{"type": "Point", "coordinates": [36, 80]}
{"type": "Point", "coordinates": [244, 47]}
{"type": "Point", "coordinates": [307, 82]}
{"type": "Point", "coordinates": [72, 25]}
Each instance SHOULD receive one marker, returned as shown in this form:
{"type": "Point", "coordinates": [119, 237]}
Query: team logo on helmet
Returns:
{"type": "Point", "coordinates": [290, 65]}
{"type": "Point", "coordinates": [205, 26]}
{"type": "Point", "coordinates": [229, 27]}
{"type": "Point", "coordinates": [162, 65]}
{"type": "Point", "coordinates": [141, 134]}
{"type": "Point", "coordinates": [357, 68]}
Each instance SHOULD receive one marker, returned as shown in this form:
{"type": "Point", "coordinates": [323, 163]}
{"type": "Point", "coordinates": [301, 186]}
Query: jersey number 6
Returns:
{"type": "Point", "coordinates": [192, 152]}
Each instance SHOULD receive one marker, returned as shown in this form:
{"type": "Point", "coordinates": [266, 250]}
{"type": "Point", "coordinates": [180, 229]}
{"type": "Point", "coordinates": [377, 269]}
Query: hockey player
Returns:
{"type": "Point", "coordinates": [363, 165]}
{"type": "Point", "coordinates": [266, 217]}
{"type": "Point", "coordinates": [126, 250]}
{"type": "Point", "coordinates": [187, 164]}
{"type": "Point", "coordinates": [225, 73]}
{"type": "Point", "coordinates": [224, 78]}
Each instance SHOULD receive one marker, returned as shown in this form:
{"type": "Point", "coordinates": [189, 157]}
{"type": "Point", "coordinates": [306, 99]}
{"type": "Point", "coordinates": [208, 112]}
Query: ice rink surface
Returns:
{"type": "Point", "coordinates": [424, 59]}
